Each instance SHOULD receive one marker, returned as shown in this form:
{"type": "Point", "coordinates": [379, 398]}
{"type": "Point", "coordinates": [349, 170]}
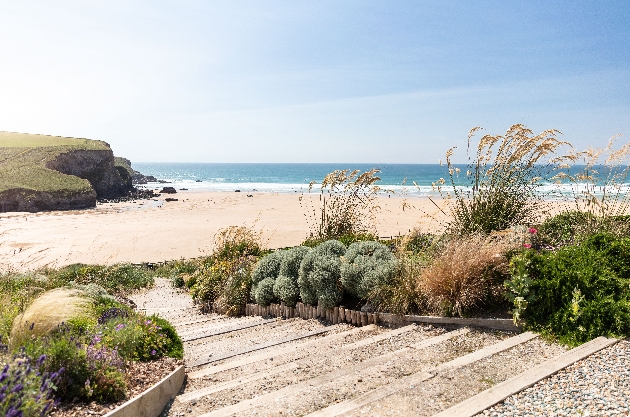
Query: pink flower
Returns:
{"type": "Point", "coordinates": [527, 245]}
{"type": "Point", "coordinates": [533, 231]}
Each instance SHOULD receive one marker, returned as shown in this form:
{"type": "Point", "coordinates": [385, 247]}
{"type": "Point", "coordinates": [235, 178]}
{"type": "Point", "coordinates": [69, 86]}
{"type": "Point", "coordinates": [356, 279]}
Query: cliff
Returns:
{"type": "Point", "coordinates": [39, 172]}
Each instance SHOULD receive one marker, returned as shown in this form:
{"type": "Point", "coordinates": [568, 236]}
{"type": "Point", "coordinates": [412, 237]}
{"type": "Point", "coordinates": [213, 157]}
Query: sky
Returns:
{"type": "Point", "coordinates": [312, 81]}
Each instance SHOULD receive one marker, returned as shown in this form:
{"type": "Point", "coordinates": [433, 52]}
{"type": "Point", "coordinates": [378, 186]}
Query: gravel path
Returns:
{"type": "Point", "coordinates": [596, 386]}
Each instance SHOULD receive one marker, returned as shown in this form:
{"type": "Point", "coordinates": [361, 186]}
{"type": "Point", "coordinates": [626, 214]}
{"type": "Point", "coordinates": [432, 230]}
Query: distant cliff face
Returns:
{"type": "Point", "coordinates": [20, 199]}
{"type": "Point", "coordinates": [96, 166]}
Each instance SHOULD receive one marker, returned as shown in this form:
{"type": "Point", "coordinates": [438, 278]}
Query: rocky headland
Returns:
{"type": "Point", "coordinates": [42, 173]}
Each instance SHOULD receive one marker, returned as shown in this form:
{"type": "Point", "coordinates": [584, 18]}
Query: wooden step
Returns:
{"type": "Point", "coordinates": [211, 333]}
{"type": "Point", "coordinates": [419, 377]}
{"type": "Point", "coordinates": [278, 352]}
{"type": "Point", "coordinates": [259, 346]}
{"type": "Point", "coordinates": [217, 387]}
{"type": "Point", "coordinates": [213, 325]}
{"type": "Point", "coordinates": [327, 378]}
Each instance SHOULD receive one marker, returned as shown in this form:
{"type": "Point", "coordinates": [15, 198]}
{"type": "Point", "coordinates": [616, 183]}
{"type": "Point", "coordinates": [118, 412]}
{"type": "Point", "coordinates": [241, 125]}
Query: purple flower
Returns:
{"type": "Point", "coordinates": [119, 326]}
{"type": "Point", "coordinates": [147, 322]}
{"type": "Point", "coordinates": [153, 352]}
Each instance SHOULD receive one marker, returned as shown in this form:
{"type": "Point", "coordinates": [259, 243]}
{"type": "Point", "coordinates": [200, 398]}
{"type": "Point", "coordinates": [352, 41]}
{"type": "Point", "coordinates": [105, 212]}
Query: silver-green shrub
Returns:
{"type": "Point", "coordinates": [320, 273]}
{"type": "Point", "coordinates": [268, 268]}
{"type": "Point", "coordinates": [263, 292]}
{"type": "Point", "coordinates": [286, 287]}
{"type": "Point", "coordinates": [365, 266]}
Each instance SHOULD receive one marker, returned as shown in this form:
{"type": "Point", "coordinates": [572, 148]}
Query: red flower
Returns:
{"type": "Point", "coordinates": [532, 230]}
{"type": "Point", "coordinates": [527, 245]}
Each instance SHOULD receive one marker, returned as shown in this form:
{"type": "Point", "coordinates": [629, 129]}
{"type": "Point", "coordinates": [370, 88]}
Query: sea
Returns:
{"type": "Point", "coordinates": [396, 179]}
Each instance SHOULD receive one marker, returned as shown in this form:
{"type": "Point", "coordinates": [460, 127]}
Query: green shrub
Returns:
{"type": "Point", "coordinates": [290, 265]}
{"type": "Point", "coordinates": [224, 280]}
{"type": "Point", "coordinates": [365, 266]}
{"type": "Point", "coordinates": [85, 372]}
{"type": "Point", "coordinates": [320, 274]}
{"type": "Point", "coordinates": [401, 295]}
{"type": "Point", "coordinates": [580, 292]}
{"type": "Point", "coordinates": [224, 284]}
{"type": "Point", "coordinates": [346, 238]}
{"type": "Point", "coordinates": [140, 338]}
{"type": "Point", "coordinates": [264, 275]}
{"type": "Point", "coordinates": [119, 278]}
{"type": "Point", "coordinates": [173, 347]}
{"type": "Point", "coordinates": [566, 228]}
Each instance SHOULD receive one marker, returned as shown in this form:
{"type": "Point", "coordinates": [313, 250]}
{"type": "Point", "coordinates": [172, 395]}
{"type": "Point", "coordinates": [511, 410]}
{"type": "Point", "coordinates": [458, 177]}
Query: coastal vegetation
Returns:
{"type": "Point", "coordinates": [530, 234]}
{"type": "Point", "coordinates": [525, 226]}
{"type": "Point", "coordinates": [83, 355]}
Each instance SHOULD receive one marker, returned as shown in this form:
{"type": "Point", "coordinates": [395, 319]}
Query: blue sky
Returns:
{"type": "Point", "coordinates": [312, 81]}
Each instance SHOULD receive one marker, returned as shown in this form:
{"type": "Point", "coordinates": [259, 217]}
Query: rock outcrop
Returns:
{"type": "Point", "coordinates": [96, 166]}
{"type": "Point", "coordinates": [31, 185]}
{"type": "Point", "coordinates": [20, 199]}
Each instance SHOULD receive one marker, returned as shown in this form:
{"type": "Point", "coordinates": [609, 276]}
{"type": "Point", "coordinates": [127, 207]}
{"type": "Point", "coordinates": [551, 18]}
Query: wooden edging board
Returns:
{"type": "Point", "coordinates": [500, 392]}
{"type": "Point", "coordinates": [152, 401]}
{"type": "Point", "coordinates": [496, 324]}
{"type": "Point", "coordinates": [359, 318]}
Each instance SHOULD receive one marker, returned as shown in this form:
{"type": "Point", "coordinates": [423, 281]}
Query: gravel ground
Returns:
{"type": "Point", "coordinates": [451, 387]}
{"type": "Point", "coordinates": [596, 386]}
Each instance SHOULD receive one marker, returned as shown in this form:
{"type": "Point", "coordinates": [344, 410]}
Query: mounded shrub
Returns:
{"type": "Point", "coordinates": [263, 292]}
{"type": "Point", "coordinates": [286, 289]}
{"type": "Point", "coordinates": [286, 286]}
{"type": "Point", "coordinates": [320, 274]}
{"type": "Point", "coordinates": [365, 266]}
{"type": "Point", "coordinates": [267, 269]}
{"type": "Point", "coordinates": [290, 266]}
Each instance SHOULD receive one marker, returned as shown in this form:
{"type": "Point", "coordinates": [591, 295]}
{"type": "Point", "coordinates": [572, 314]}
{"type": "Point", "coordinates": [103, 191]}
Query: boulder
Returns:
{"type": "Point", "coordinates": [168, 190]}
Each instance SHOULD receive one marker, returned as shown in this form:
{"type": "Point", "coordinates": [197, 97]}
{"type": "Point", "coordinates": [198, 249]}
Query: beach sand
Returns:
{"type": "Point", "coordinates": [153, 231]}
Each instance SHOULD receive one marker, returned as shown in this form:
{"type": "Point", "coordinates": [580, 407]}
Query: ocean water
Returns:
{"type": "Point", "coordinates": [295, 178]}
{"type": "Point", "coordinates": [287, 178]}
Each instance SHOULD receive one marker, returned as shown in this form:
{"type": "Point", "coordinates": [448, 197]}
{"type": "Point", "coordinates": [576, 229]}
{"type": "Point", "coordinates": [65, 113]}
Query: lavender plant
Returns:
{"type": "Point", "coordinates": [24, 391]}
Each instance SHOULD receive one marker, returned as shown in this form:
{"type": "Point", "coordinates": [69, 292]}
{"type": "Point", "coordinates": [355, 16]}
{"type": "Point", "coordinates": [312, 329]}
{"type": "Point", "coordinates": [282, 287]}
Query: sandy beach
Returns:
{"type": "Point", "coordinates": [153, 231]}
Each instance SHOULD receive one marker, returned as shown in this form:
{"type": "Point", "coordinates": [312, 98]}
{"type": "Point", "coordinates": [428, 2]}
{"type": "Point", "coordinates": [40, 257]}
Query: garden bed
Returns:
{"type": "Point", "coordinates": [141, 376]}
